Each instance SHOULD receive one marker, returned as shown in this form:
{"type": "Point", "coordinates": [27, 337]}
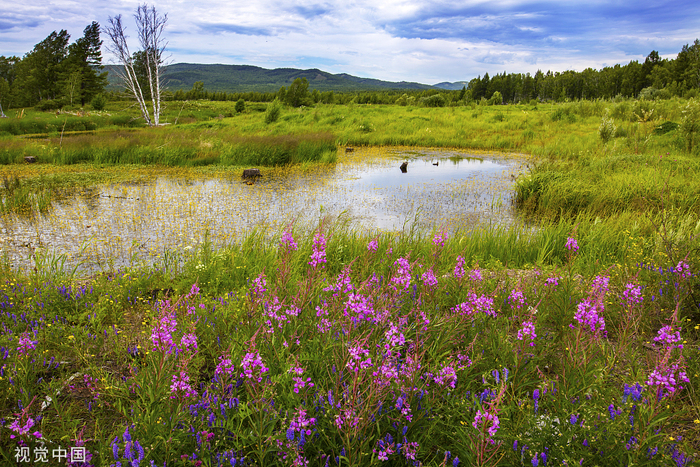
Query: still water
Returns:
{"type": "Point", "coordinates": [128, 223]}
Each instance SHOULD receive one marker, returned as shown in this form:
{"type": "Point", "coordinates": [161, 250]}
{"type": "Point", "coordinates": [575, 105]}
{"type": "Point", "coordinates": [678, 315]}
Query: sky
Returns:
{"type": "Point", "coordinates": [419, 41]}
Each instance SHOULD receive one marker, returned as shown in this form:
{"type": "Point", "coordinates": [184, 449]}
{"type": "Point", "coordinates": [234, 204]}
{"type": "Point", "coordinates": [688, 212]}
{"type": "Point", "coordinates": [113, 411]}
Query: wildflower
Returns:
{"type": "Point", "coordinates": [253, 367]}
{"type": "Point", "coordinates": [355, 363]}
{"type": "Point", "coordinates": [429, 278]}
{"type": "Point", "coordinates": [632, 294]}
{"type": "Point", "coordinates": [552, 281]}
{"type": "Point", "coordinates": [634, 391]}
{"type": "Point", "coordinates": [447, 376]}
{"type": "Point", "coordinates": [288, 241]}
{"type": "Point", "coordinates": [475, 275]}
{"type": "Point", "coordinates": [527, 332]}
{"type": "Point", "coordinates": [403, 275]}
{"type": "Point", "coordinates": [161, 335]}
{"type": "Point", "coordinates": [683, 269]}
{"type": "Point", "coordinates": [373, 246]}
{"type": "Point", "coordinates": [181, 384]}
{"type": "Point", "coordinates": [318, 255]}
{"type": "Point", "coordinates": [536, 398]}
{"type": "Point", "coordinates": [260, 286]}
{"type": "Point", "coordinates": [667, 337]}
{"type": "Point", "coordinates": [24, 429]}
{"type": "Point", "coordinates": [189, 342]}
{"type": "Point", "coordinates": [459, 268]}
{"type": "Point", "coordinates": [394, 337]}
{"type": "Point", "coordinates": [668, 378]}
{"type": "Point", "coordinates": [26, 345]}
{"type": "Point", "coordinates": [482, 420]}
{"type": "Point", "coordinates": [342, 283]}
{"type": "Point", "coordinates": [571, 244]}
{"type": "Point", "coordinates": [225, 367]}
{"type": "Point", "coordinates": [587, 315]}
{"type": "Point", "coordinates": [439, 239]}
{"type": "Point", "coordinates": [516, 298]}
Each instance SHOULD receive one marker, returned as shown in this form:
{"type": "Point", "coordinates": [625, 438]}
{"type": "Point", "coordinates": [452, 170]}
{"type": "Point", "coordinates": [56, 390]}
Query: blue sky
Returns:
{"type": "Point", "coordinates": [426, 42]}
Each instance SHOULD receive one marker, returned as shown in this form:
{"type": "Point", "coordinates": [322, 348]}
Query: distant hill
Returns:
{"type": "Point", "coordinates": [456, 86]}
{"type": "Point", "coordinates": [247, 78]}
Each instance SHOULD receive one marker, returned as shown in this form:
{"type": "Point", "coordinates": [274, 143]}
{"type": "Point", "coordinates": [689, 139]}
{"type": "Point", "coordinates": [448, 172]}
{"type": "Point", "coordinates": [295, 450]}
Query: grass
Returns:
{"type": "Point", "coordinates": [398, 341]}
{"type": "Point", "coordinates": [498, 345]}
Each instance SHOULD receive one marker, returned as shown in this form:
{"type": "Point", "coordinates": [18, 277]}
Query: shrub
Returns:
{"type": "Point", "coordinates": [690, 124]}
{"type": "Point", "coordinates": [99, 102]}
{"type": "Point", "coordinates": [607, 128]}
{"type": "Point", "coordinates": [240, 106]}
{"type": "Point", "coordinates": [436, 100]}
{"type": "Point", "coordinates": [496, 98]}
{"type": "Point", "coordinates": [272, 114]}
{"type": "Point", "coordinates": [48, 104]}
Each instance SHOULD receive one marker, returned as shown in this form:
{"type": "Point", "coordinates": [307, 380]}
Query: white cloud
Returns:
{"type": "Point", "coordinates": [392, 40]}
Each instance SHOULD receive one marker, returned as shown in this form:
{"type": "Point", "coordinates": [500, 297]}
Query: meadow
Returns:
{"type": "Point", "coordinates": [569, 339]}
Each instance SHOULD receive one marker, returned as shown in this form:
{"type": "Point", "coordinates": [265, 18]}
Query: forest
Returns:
{"type": "Point", "coordinates": [57, 74]}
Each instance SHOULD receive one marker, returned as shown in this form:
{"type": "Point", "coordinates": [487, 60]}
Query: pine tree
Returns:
{"type": "Point", "coordinates": [85, 64]}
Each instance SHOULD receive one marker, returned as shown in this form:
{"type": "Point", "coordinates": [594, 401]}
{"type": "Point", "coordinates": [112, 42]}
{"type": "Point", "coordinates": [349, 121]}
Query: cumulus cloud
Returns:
{"type": "Point", "coordinates": [393, 40]}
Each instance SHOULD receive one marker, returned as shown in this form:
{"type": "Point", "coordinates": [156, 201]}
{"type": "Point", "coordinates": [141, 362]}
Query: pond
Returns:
{"type": "Point", "coordinates": [127, 223]}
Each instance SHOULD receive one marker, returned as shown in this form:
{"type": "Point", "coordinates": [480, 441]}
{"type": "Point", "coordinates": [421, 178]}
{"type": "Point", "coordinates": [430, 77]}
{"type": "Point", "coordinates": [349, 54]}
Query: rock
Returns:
{"type": "Point", "coordinates": [404, 167]}
{"type": "Point", "coordinates": [29, 159]}
{"type": "Point", "coordinates": [251, 173]}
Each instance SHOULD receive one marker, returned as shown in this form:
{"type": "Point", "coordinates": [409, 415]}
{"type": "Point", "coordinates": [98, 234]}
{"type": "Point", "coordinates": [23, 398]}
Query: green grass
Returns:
{"type": "Point", "coordinates": [94, 354]}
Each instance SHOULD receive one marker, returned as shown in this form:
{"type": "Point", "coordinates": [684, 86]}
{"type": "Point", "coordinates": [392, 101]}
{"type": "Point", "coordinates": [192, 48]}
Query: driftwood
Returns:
{"type": "Point", "coordinates": [404, 167]}
{"type": "Point", "coordinates": [252, 173]}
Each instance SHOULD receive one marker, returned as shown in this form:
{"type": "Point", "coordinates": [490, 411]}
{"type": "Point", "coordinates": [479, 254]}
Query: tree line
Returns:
{"type": "Point", "coordinates": [654, 78]}
{"type": "Point", "coordinates": [55, 73]}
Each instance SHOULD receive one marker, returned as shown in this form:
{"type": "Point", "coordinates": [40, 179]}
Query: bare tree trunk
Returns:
{"type": "Point", "coordinates": [150, 27]}
{"type": "Point", "coordinates": [120, 48]}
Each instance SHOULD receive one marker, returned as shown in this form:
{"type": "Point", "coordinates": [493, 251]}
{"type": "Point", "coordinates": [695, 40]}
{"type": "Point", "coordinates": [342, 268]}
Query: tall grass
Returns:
{"type": "Point", "coordinates": [343, 347]}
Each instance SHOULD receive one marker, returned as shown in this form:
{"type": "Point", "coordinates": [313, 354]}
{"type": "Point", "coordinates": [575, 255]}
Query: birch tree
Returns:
{"type": "Point", "coordinates": [149, 27]}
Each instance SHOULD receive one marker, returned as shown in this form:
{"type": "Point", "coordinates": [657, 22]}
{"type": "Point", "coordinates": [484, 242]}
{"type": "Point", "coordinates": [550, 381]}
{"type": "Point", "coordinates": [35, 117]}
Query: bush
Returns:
{"type": "Point", "coordinates": [272, 114]}
{"type": "Point", "coordinates": [607, 128]}
{"type": "Point", "coordinates": [99, 102]}
{"type": "Point", "coordinates": [48, 104]}
{"type": "Point", "coordinates": [240, 106]}
{"type": "Point", "coordinates": [436, 100]}
{"type": "Point", "coordinates": [690, 124]}
{"type": "Point", "coordinates": [496, 98]}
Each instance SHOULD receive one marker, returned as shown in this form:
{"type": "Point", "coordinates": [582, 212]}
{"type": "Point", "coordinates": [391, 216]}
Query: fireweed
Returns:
{"type": "Point", "coordinates": [370, 367]}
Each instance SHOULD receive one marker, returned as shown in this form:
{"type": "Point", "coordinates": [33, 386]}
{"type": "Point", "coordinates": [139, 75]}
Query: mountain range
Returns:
{"type": "Point", "coordinates": [248, 78]}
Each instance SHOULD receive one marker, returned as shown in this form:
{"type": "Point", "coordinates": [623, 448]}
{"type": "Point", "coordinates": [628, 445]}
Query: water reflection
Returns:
{"type": "Point", "coordinates": [130, 222]}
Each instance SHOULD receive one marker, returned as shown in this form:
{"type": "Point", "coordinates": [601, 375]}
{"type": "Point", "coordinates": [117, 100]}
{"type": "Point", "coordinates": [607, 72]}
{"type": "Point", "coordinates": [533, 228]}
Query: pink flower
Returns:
{"type": "Point", "coordinates": [527, 332]}
{"type": "Point", "coordinates": [181, 386]}
{"type": "Point", "coordinates": [253, 367]}
{"type": "Point", "coordinates": [571, 244]}
{"type": "Point", "coordinates": [26, 345]}
{"type": "Point", "coordinates": [439, 239]}
{"type": "Point", "coordinates": [189, 342]}
{"type": "Point", "coordinates": [486, 419]}
{"type": "Point", "coordinates": [288, 241]}
{"type": "Point", "coordinates": [161, 335]}
{"type": "Point", "coordinates": [459, 267]}
{"type": "Point", "coordinates": [373, 246]}
{"type": "Point", "coordinates": [429, 278]}
{"type": "Point", "coordinates": [318, 255]}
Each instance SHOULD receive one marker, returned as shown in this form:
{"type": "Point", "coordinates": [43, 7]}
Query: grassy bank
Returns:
{"type": "Point", "coordinates": [645, 152]}
{"type": "Point", "coordinates": [343, 348]}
